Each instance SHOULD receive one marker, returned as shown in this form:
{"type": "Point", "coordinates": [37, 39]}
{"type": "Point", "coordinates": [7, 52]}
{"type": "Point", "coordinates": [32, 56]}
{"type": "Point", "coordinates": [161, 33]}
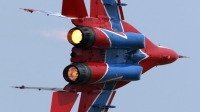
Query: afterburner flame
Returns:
{"type": "Point", "coordinates": [76, 36]}
{"type": "Point", "coordinates": [72, 73]}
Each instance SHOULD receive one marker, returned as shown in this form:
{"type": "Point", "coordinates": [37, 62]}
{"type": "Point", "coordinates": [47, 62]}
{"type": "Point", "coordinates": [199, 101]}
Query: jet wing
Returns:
{"type": "Point", "coordinates": [94, 98]}
{"type": "Point", "coordinates": [111, 9]}
{"type": "Point", "coordinates": [48, 13]}
{"type": "Point", "coordinates": [39, 88]}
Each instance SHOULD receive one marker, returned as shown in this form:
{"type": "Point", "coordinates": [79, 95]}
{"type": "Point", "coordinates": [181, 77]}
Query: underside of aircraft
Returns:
{"type": "Point", "coordinates": [108, 53]}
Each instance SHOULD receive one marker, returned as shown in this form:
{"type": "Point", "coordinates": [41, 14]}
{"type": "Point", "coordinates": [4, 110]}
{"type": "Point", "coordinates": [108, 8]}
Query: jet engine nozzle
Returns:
{"type": "Point", "coordinates": [77, 73]}
{"type": "Point", "coordinates": [81, 37]}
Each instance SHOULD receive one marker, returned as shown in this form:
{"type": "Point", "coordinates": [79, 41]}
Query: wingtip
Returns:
{"type": "Point", "coordinates": [28, 10]}
{"type": "Point", "coordinates": [20, 87]}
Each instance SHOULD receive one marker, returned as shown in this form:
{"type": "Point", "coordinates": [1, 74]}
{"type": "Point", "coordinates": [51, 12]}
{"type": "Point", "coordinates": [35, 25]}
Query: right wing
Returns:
{"type": "Point", "coordinates": [39, 88]}
{"type": "Point", "coordinates": [62, 100]}
{"type": "Point", "coordinates": [94, 97]}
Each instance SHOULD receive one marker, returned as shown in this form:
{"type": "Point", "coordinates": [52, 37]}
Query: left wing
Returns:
{"type": "Point", "coordinates": [39, 88]}
{"type": "Point", "coordinates": [48, 13]}
{"type": "Point", "coordinates": [94, 97]}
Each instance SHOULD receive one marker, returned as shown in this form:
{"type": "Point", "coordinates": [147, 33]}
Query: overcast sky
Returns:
{"type": "Point", "coordinates": [34, 52]}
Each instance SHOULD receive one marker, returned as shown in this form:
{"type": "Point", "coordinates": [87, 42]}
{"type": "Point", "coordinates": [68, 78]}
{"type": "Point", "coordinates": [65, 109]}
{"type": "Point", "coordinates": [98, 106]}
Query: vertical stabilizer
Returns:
{"type": "Point", "coordinates": [74, 8]}
{"type": "Point", "coordinates": [109, 8]}
{"type": "Point", "coordinates": [121, 10]}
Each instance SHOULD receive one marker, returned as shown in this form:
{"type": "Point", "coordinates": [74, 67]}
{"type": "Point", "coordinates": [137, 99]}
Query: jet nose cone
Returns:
{"type": "Point", "coordinates": [167, 56]}
{"type": "Point", "coordinates": [173, 56]}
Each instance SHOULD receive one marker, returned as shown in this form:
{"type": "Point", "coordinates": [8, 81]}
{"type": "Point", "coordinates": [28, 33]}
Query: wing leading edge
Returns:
{"type": "Point", "coordinates": [48, 13]}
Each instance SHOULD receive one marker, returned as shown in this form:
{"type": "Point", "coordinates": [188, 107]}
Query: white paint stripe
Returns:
{"type": "Point", "coordinates": [107, 14]}
{"type": "Point", "coordinates": [124, 36]}
{"type": "Point", "coordinates": [103, 75]}
{"type": "Point", "coordinates": [163, 47]}
{"type": "Point", "coordinates": [113, 79]}
{"type": "Point", "coordinates": [109, 98]}
{"type": "Point", "coordinates": [108, 101]}
{"type": "Point", "coordinates": [106, 35]}
{"type": "Point", "coordinates": [100, 94]}
{"type": "Point", "coordinates": [141, 71]}
{"type": "Point", "coordinates": [146, 56]}
{"type": "Point", "coordinates": [111, 94]}
{"type": "Point", "coordinates": [122, 25]}
{"type": "Point", "coordinates": [94, 100]}
{"type": "Point", "coordinates": [119, 13]}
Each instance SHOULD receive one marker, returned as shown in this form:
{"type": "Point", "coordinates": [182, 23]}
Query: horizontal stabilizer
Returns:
{"type": "Point", "coordinates": [74, 8]}
{"type": "Point", "coordinates": [63, 101]}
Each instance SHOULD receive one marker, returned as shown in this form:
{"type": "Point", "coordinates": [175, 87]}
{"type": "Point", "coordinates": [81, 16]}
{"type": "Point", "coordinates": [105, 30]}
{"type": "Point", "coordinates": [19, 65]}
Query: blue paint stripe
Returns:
{"type": "Point", "coordinates": [125, 40]}
{"type": "Point", "coordinates": [123, 56]}
{"type": "Point", "coordinates": [127, 72]}
{"type": "Point", "coordinates": [103, 97]}
{"type": "Point", "coordinates": [113, 13]}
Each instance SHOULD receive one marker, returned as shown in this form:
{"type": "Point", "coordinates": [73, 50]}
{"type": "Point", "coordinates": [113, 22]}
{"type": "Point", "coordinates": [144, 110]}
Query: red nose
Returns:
{"type": "Point", "coordinates": [173, 55]}
{"type": "Point", "coordinates": [167, 55]}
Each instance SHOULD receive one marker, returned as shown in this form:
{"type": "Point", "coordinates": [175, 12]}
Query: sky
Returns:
{"type": "Point", "coordinates": [34, 51]}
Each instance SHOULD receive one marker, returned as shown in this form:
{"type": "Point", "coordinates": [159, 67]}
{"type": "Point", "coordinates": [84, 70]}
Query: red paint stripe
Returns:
{"type": "Point", "coordinates": [101, 39]}
{"type": "Point", "coordinates": [110, 100]}
{"type": "Point", "coordinates": [98, 71]}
